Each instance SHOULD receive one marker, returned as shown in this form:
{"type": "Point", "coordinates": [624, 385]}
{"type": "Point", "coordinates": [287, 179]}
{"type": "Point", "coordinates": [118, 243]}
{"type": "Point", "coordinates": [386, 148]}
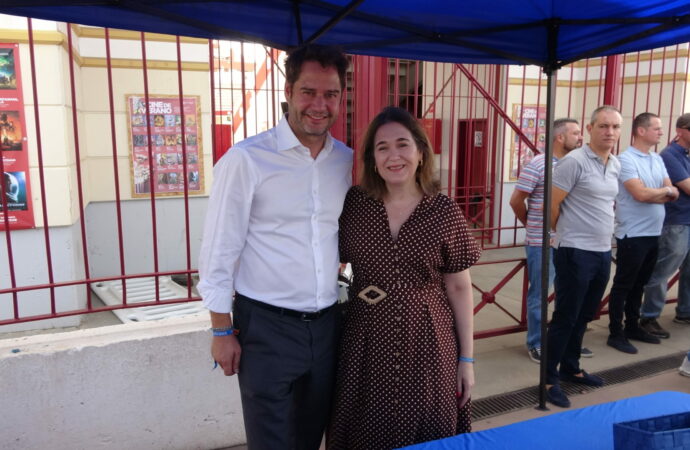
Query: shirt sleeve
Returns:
{"type": "Point", "coordinates": [345, 225]}
{"type": "Point", "coordinates": [662, 167]}
{"type": "Point", "coordinates": [225, 229]}
{"type": "Point", "coordinates": [567, 173]}
{"type": "Point", "coordinates": [529, 177]}
{"type": "Point", "coordinates": [676, 171]}
{"type": "Point", "coordinates": [459, 250]}
{"type": "Point", "coordinates": [628, 169]}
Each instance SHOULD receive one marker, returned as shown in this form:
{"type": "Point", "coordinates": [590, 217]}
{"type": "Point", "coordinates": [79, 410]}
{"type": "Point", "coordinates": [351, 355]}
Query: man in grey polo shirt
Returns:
{"type": "Point", "coordinates": [643, 188]}
{"type": "Point", "coordinates": [585, 185]}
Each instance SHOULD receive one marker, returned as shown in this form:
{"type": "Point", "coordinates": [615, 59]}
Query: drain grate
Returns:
{"type": "Point", "coordinates": [523, 398]}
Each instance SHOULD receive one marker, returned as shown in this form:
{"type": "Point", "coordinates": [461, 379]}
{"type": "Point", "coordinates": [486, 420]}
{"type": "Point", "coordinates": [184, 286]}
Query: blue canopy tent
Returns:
{"type": "Point", "coordinates": [546, 33]}
{"type": "Point", "coordinates": [541, 32]}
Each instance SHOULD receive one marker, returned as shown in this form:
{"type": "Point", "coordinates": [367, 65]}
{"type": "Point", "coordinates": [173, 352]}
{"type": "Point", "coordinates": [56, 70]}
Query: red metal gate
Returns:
{"type": "Point", "coordinates": [477, 117]}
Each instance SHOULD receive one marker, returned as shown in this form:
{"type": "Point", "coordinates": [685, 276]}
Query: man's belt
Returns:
{"type": "Point", "coordinates": [304, 316]}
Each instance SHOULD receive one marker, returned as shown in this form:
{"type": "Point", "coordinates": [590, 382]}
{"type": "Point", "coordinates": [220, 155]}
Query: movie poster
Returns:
{"type": "Point", "coordinates": [532, 122]}
{"type": "Point", "coordinates": [15, 187]}
{"type": "Point", "coordinates": [158, 131]}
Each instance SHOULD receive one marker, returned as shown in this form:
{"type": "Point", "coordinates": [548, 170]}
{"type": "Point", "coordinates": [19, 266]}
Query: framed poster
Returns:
{"type": "Point", "coordinates": [157, 152]}
{"type": "Point", "coordinates": [532, 122]}
{"type": "Point", "coordinates": [15, 189]}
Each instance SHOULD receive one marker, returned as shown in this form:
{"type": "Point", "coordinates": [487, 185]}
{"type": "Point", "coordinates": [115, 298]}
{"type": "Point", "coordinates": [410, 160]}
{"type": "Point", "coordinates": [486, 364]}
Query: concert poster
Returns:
{"type": "Point", "coordinates": [156, 131]}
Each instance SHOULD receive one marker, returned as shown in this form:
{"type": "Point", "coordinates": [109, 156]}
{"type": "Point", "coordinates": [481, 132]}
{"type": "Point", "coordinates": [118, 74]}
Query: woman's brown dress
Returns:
{"type": "Point", "coordinates": [397, 372]}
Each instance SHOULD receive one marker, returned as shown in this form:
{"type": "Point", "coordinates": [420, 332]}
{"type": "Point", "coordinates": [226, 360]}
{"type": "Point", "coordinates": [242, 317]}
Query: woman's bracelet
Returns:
{"type": "Point", "coordinates": [225, 331]}
{"type": "Point", "coordinates": [466, 359]}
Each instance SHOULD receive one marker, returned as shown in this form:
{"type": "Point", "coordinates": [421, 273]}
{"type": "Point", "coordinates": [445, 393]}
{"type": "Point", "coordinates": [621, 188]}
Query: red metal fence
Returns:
{"type": "Point", "coordinates": [484, 122]}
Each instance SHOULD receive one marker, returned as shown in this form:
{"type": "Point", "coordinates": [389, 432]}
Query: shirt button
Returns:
{"type": "Point", "coordinates": [395, 246]}
{"type": "Point", "coordinates": [397, 270]}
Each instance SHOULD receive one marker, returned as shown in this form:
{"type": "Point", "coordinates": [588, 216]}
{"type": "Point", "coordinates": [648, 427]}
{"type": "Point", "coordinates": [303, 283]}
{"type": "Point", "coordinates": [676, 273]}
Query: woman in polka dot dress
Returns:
{"type": "Point", "coordinates": [407, 338]}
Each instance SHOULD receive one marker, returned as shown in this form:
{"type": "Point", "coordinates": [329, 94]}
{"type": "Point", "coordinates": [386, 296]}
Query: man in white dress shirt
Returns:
{"type": "Point", "coordinates": [271, 239]}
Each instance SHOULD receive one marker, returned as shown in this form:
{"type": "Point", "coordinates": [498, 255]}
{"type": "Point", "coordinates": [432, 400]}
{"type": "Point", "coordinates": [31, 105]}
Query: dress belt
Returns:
{"type": "Point", "coordinates": [304, 316]}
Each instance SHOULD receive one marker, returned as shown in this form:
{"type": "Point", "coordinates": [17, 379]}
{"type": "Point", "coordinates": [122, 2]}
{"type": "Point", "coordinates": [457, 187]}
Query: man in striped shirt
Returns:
{"type": "Point", "coordinates": [530, 188]}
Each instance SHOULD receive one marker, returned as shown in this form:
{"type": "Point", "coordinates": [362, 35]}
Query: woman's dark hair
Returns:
{"type": "Point", "coordinates": [371, 182]}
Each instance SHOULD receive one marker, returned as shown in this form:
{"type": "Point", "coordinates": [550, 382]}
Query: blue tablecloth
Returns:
{"type": "Point", "coordinates": [587, 428]}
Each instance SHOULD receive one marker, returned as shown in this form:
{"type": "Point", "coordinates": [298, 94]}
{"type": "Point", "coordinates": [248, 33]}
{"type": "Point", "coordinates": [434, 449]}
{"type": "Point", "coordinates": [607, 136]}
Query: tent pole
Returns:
{"type": "Point", "coordinates": [546, 235]}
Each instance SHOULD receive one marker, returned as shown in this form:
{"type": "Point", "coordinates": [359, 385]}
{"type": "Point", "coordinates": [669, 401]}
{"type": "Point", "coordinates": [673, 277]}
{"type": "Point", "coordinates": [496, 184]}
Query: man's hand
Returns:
{"type": "Point", "coordinates": [226, 351]}
{"type": "Point", "coordinates": [672, 193]}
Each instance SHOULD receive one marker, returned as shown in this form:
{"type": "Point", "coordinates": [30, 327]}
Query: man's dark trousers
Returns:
{"type": "Point", "coordinates": [287, 374]}
{"type": "Point", "coordinates": [581, 278]}
{"type": "Point", "coordinates": [635, 258]}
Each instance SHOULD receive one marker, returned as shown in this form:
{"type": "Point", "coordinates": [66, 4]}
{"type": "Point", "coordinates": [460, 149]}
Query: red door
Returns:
{"type": "Point", "coordinates": [471, 167]}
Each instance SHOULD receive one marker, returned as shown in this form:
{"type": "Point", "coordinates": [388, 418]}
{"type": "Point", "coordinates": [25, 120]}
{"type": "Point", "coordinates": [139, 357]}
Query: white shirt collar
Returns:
{"type": "Point", "coordinates": [287, 140]}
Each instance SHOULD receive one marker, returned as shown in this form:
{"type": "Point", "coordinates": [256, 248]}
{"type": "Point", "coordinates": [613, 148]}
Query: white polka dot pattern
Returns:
{"type": "Point", "coordinates": [397, 373]}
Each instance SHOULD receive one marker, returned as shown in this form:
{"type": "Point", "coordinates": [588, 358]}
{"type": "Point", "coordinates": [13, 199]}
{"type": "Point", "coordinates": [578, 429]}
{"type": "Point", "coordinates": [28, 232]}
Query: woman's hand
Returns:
{"type": "Point", "coordinates": [465, 381]}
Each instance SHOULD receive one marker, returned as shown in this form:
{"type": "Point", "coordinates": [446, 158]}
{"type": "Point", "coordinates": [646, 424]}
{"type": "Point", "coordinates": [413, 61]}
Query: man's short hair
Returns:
{"type": "Point", "coordinates": [326, 55]}
{"type": "Point", "coordinates": [560, 125]}
{"type": "Point", "coordinates": [596, 112]}
{"type": "Point", "coordinates": [642, 120]}
{"type": "Point", "coordinates": [683, 121]}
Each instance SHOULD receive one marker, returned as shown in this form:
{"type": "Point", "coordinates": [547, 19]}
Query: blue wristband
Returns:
{"type": "Point", "coordinates": [225, 331]}
{"type": "Point", "coordinates": [465, 359]}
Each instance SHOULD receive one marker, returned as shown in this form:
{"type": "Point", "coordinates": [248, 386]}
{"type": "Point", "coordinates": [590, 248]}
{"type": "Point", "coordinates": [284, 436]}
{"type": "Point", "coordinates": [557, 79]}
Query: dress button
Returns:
{"type": "Point", "coordinates": [395, 246]}
{"type": "Point", "coordinates": [397, 366]}
{"type": "Point", "coordinates": [397, 270]}
{"type": "Point", "coordinates": [397, 318]}
{"type": "Point", "coordinates": [397, 354]}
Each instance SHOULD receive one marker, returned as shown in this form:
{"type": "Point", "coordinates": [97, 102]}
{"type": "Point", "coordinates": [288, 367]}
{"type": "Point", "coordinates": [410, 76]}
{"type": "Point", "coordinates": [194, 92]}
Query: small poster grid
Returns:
{"type": "Point", "coordinates": [532, 122]}
{"type": "Point", "coordinates": [165, 118]}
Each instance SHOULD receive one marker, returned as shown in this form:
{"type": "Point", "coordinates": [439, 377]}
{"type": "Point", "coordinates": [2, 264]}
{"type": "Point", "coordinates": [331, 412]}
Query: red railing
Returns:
{"type": "Point", "coordinates": [479, 115]}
